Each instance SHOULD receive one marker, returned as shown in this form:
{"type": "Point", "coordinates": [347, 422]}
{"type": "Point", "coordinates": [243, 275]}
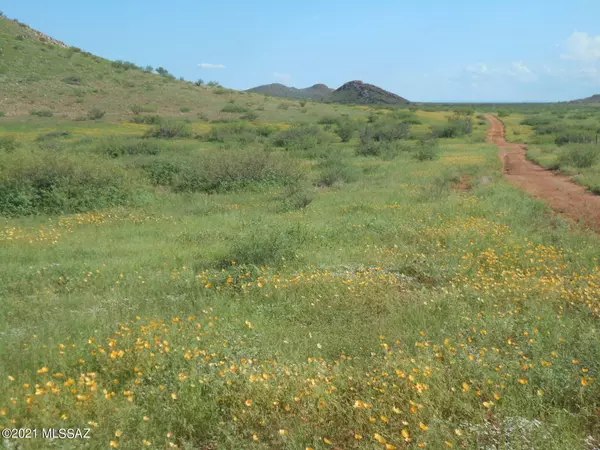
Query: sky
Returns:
{"type": "Point", "coordinates": [423, 50]}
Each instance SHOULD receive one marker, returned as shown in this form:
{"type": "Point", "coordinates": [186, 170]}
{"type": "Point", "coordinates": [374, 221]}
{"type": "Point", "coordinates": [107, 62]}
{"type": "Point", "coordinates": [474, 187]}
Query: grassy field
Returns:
{"type": "Point", "coordinates": [201, 268]}
{"type": "Point", "coordinates": [319, 294]}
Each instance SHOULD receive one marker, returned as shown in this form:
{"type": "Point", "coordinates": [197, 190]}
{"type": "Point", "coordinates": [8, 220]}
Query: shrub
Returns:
{"type": "Point", "coordinates": [57, 184]}
{"type": "Point", "coordinates": [386, 130]}
{"type": "Point", "coordinates": [185, 109]}
{"type": "Point", "coordinates": [229, 170]}
{"type": "Point", "coordinates": [579, 156]}
{"type": "Point", "coordinates": [300, 137]}
{"type": "Point", "coordinates": [266, 246]}
{"type": "Point", "coordinates": [41, 112]}
{"type": "Point", "coordinates": [574, 137]}
{"type": "Point", "coordinates": [75, 80]}
{"type": "Point", "coordinates": [115, 146]}
{"type": "Point", "coordinates": [220, 91]}
{"type": "Point", "coordinates": [53, 135]}
{"type": "Point", "coordinates": [334, 170]}
{"type": "Point", "coordinates": [95, 114]}
{"type": "Point", "coordinates": [328, 120]}
{"type": "Point", "coordinates": [503, 113]}
{"type": "Point", "coordinates": [200, 82]}
{"type": "Point", "coordinates": [234, 132]}
{"type": "Point", "coordinates": [346, 129]}
{"type": "Point", "coordinates": [147, 120]}
{"type": "Point", "coordinates": [170, 130]}
{"type": "Point", "coordinates": [302, 103]}
{"type": "Point", "coordinates": [284, 106]}
{"type": "Point", "coordinates": [296, 196]}
{"type": "Point", "coordinates": [427, 150]}
{"type": "Point", "coordinates": [203, 117]}
{"type": "Point", "coordinates": [124, 65]}
{"type": "Point", "coordinates": [137, 109]}
{"type": "Point", "coordinates": [162, 172]}
{"type": "Point", "coordinates": [2, 114]}
{"type": "Point", "coordinates": [8, 143]}
{"type": "Point", "coordinates": [457, 126]}
{"type": "Point", "coordinates": [251, 116]}
{"type": "Point", "coordinates": [233, 108]}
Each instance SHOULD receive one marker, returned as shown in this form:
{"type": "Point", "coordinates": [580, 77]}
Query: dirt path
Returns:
{"type": "Point", "coordinates": [559, 191]}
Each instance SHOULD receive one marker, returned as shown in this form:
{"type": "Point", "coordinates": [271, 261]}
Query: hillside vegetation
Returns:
{"type": "Point", "coordinates": [200, 268]}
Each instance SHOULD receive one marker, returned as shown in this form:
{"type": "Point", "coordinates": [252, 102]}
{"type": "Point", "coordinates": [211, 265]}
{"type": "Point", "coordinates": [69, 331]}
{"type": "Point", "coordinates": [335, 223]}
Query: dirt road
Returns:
{"type": "Point", "coordinates": [559, 191]}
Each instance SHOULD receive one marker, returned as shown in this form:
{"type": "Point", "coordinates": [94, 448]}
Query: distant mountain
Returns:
{"type": "Point", "coordinates": [316, 92]}
{"type": "Point", "coordinates": [357, 92]}
{"type": "Point", "coordinates": [592, 99]}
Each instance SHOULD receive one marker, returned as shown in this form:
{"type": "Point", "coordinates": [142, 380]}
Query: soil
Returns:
{"type": "Point", "coordinates": [560, 192]}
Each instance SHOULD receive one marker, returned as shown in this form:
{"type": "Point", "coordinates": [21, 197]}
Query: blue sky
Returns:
{"type": "Point", "coordinates": [424, 50]}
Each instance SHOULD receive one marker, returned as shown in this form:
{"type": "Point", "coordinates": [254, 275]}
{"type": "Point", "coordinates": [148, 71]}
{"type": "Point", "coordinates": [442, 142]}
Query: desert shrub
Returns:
{"type": "Point", "coordinates": [265, 246]}
{"type": "Point", "coordinates": [239, 132]}
{"type": "Point", "coordinates": [2, 114]}
{"type": "Point", "coordinates": [185, 109]}
{"type": "Point", "coordinates": [574, 137]}
{"type": "Point", "coordinates": [219, 90]}
{"type": "Point", "coordinates": [170, 130]}
{"type": "Point", "coordinates": [147, 120]}
{"type": "Point", "coordinates": [138, 109]}
{"type": "Point", "coordinates": [53, 135]}
{"type": "Point", "coordinates": [346, 129]}
{"type": "Point", "coordinates": [579, 156]}
{"type": "Point", "coordinates": [202, 116]}
{"type": "Point", "coordinates": [536, 121]}
{"type": "Point", "coordinates": [302, 103]}
{"type": "Point", "coordinates": [386, 149]}
{"type": "Point", "coordinates": [457, 126]}
{"type": "Point", "coordinates": [58, 183]}
{"type": "Point", "coordinates": [124, 65]}
{"type": "Point", "coordinates": [162, 172]}
{"type": "Point", "coordinates": [250, 115]}
{"type": "Point", "coordinates": [199, 83]}
{"type": "Point", "coordinates": [41, 112]}
{"type": "Point", "coordinates": [427, 150]}
{"type": "Point", "coordinates": [73, 79]}
{"type": "Point", "coordinates": [8, 143]}
{"type": "Point", "coordinates": [503, 113]}
{"type": "Point", "coordinates": [328, 120]}
{"type": "Point", "coordinates": [333, 169]}
{"type": "Point", "coordinates": [230, 170]}
{"type": "Point", "coordinates": [300, 137]}
{"type": "Point", "coordinates": [95, 114]}
{"type": "Point", "coordinates": [115, 146]}
{"type": "Point", "coordinates": [233, 108]}
{"type": "Point", "coordinates": [284, 106]}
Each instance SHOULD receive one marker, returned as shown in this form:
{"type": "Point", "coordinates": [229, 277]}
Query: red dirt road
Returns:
{"type": "Point", "coordinates": [560, 192]}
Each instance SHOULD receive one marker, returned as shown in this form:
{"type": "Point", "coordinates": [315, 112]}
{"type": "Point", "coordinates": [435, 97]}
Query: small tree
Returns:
{"type": "Point", "coordinates": [162, 72]}
{"type": "Point", "coordinates": [149, 69]}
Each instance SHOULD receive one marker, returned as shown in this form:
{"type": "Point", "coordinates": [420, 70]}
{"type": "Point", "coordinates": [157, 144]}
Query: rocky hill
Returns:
{"type": "Point", "coordinates": [357, 92]}
{"type": "Point", "coordinates": [593, 99]}
{"type": "Point", "coordinates": [316, 92]}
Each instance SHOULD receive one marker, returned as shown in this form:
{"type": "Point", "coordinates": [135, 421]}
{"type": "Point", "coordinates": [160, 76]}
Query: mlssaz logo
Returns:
{"type": "Point", "coordinates": [66, 433]}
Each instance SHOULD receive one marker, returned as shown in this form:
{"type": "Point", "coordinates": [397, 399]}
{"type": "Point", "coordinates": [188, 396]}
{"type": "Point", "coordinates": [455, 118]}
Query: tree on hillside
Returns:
{"type": "Point", "coordinates": [162, 72]}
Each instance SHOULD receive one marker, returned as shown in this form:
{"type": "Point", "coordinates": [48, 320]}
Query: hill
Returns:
{"type": "Point", "coordinates": [316, 92]}
{"type": "Point", "coordinates": [357, 92]}
{"type": "Point", "coordinates": [39, 72]}
{"type": "Point", "coordinates": [593, 99]}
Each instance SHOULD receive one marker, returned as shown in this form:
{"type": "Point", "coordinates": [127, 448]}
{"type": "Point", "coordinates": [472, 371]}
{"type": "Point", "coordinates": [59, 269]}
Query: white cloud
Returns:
{"type": "Point", "coordinates": [284, 78]}
{"type": "Point", "coordinates": [478, 68]}
{"type": "Point", "coordinates": [521, 71]}
{"type": "Point", "coordinates": [581, 46]}
{"type": "Point", "coordinates": [211, 66]}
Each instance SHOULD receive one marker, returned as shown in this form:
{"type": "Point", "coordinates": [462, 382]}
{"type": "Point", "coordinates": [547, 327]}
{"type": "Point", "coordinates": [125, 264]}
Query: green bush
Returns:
{"type": "Point", "coordinates": [137, 109]}
{"type": "Point", "coordinates": [300, 137]}
{"type": "Point", "coordinates": [265, 246]}
{"type": "Point", "coordinates": [284, 106]}
{"type": "Point", "coordinates": [185, 109]}
{"type": "Point", "coordinates": [346, 129]}
{"type": "Point", "coordinates": [386, 130]}
{"type": "Point", "coordinates": [427, 150]}
{"type": "Point", "coordinates": [33, 183]}
{"type": "Point", "coordinates": [41, 112]}
{"type": "Point", "coordinates": [328, 120]}
{"type": "Point", "coordinates": [296, 196]}
{"type": "Point", "coordinates": [251, 116]}
{"type": "Point", "coordinates": [574, 137]}
{"type": "Point", "coordinates": [579, 156]}
{"type": "Point", "coordinates": [147, 120]}
{"type": "Point", "coordinates": [2, 114]}
{"type": "Point", "coordinates": [333, 169]}
{"type": "Point", "coordinates": [202, 116]}
{"type": "Point", "coordinates": [162, 172]}
{"type": "Point", "coordinates": [233, 108]}
{"type": "Point", "coordinates": [73, 79]}
{"type": "Point", "coordinates": [8, 143]}
{"type": "Point", "coordinates": [95, 114]}
{"type": "Point", "coordinates": [457, 126]}
{"type": "Point", "coordinates": [239, 132]}
{"type": "Point", "coordinates": [53, 135]}
{"type": "Point", "coordinates": [170, 130]}
{"type": "Point", "coordinates": [230, 170]}
{"type": "Point", "coordinates": [115, 146]}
